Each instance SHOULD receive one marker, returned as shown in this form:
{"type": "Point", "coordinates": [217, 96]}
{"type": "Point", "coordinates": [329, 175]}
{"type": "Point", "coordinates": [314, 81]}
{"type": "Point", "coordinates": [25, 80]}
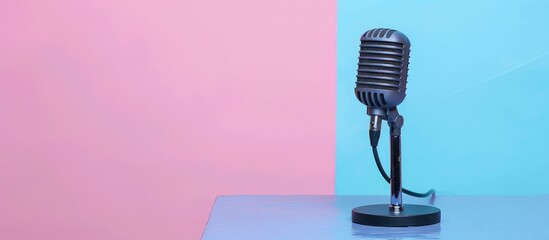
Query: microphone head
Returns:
{"type": "Point", "coordinates": [382, 68]}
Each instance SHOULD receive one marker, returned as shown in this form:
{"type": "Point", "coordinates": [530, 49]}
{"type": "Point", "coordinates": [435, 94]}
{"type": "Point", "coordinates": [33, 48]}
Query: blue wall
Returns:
{"type": "Point", "coordinates": [477, 106]}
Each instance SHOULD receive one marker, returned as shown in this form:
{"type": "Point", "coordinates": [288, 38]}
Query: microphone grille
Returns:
{"type": "Point", "coordinates": [382, 68]}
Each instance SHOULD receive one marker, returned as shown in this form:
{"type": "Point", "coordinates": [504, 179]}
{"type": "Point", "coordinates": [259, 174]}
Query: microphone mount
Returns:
{"type": "Point", "coordinates": [391, 115]}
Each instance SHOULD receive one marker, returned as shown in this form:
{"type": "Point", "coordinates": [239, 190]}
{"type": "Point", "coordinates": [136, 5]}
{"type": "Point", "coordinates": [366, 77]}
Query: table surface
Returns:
{"type": "Point", "coordinates": [329, 217]}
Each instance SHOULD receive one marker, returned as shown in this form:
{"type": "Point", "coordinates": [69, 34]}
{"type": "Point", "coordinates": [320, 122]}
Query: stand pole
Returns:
{"type": "Point", "coordinates": [396, 178]}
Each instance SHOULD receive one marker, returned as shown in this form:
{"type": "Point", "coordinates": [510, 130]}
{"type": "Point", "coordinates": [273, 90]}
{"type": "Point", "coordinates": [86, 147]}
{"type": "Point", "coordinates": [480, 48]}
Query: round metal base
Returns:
{"type": "Point", "coordinates": [380, 215]}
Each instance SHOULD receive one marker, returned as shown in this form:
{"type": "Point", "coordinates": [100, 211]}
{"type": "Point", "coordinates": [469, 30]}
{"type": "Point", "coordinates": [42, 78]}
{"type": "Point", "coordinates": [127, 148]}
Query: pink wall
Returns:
{"type": "Point", "coordinates": [123, 119]}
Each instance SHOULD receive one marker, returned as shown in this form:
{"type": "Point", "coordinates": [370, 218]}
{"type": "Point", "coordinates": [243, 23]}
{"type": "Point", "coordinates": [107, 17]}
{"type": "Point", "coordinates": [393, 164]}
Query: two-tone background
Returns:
{"type": "Point", "coordinates": [124, 119]}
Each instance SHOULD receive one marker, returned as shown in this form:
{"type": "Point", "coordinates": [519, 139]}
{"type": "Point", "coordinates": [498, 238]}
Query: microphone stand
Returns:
{"type": "Point", "coordinates": [396, 214]}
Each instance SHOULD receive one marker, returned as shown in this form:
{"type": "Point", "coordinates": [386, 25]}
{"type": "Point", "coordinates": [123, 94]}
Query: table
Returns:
{"type": "Point", "coordinates": [329, 217]}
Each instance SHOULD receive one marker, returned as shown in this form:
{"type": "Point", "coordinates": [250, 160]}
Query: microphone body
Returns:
{"type": "Point", "coordinates": [382, 76]}
{"type": "Point", "coordinates": [382, 68]}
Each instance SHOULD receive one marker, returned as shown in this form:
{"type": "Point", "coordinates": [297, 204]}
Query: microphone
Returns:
{"type": "Point", "coordinates": [382, 77]}
{"type": "Point", "coordinates": [381, 85]}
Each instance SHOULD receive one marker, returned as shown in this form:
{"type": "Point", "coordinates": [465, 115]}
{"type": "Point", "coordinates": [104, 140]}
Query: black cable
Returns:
{"type": "Point", "coordinates": [404, 190]}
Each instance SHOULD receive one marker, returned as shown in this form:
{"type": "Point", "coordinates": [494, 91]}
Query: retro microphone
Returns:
{"type": "Point", "coordinates": [381, 86]}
